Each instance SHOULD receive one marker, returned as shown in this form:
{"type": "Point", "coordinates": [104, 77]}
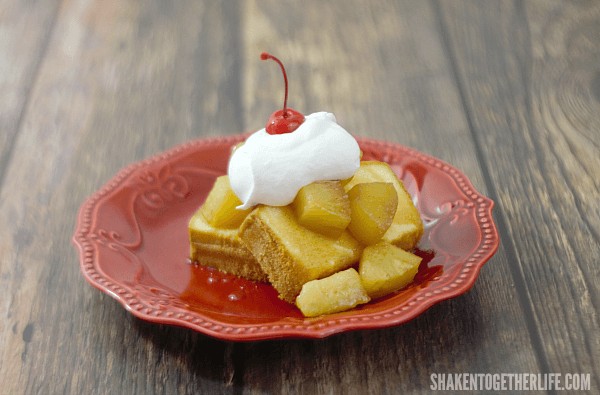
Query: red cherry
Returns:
{"type": "Point", "coordinates": [286, 120]}
{"type": "Point", "coordinates": [280, 122]}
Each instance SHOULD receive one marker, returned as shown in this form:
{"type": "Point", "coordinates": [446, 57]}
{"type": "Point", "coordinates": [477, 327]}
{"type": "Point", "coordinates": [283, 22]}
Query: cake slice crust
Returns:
{"type": "Point", "coordinates": [291, 254]}
{"type": "Point", "coordinates": [222, 249]}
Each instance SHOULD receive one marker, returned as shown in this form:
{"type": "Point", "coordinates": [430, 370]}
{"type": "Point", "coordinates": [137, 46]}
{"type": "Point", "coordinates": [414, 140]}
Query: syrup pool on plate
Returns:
{"type": "Point", "coordinates": [210, 290]}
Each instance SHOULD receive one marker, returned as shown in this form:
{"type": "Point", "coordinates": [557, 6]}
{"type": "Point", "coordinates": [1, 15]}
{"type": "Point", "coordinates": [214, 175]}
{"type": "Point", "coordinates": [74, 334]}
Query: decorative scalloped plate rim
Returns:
{"type": "Point", "coordinates": [319, 327]}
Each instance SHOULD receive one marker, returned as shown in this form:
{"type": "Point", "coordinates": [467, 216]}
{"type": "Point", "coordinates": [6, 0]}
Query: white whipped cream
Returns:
{"type": "Point", "coordinates": [271, 169]}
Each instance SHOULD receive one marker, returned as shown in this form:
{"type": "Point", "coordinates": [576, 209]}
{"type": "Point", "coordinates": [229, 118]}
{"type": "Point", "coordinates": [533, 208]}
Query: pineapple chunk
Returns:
{"type": "Point", "coordinates": [373, 206]}
{"type": "Point", "coordinates": [220, 210]}
{"type": "Point", "coordinates": [338, 292]}
{"type": "Point", "coordinates": [406, 228]}
{"type": "Point", "coordinates": [323, 207]}
{"type": "Point", "coordinates": [385, 268]}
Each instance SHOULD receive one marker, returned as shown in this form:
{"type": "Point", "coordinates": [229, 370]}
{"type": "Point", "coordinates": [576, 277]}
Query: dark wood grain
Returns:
{"type": "Point", "coordinates": [508, 92]}
{"type": "Point", "coordinates": [23, 44]}
{"type": "Point", "coordinates": [119, 81]}
{"type": "Point", "coordinates": [388, 61]}
{"type": "Point", "coordinates": [527, 80]}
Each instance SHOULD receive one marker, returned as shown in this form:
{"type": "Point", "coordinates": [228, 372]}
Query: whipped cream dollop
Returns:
{"type": "Point", "coordinates": [271, 168]}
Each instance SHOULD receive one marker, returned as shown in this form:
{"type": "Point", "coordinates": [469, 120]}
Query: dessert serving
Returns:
{"type": "Point", "coordinates": [318, 247]}
{"type": "Point", "coordinates": [300, 210]}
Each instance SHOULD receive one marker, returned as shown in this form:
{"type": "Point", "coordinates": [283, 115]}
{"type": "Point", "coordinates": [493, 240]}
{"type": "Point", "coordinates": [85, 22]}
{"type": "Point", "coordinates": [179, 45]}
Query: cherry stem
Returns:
{"type": "Point", "coordinates": [265, 56]}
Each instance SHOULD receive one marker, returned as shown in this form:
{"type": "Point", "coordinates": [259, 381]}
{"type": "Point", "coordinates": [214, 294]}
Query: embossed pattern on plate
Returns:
{"type": "Point", "coordinates": [133, 245]}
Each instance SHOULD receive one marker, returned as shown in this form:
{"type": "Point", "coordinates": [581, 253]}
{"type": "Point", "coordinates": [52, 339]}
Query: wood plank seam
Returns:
{"type": "Point", "coordinates": [509, 247]}
{"type": "Point", "coordinates": [7, 156]}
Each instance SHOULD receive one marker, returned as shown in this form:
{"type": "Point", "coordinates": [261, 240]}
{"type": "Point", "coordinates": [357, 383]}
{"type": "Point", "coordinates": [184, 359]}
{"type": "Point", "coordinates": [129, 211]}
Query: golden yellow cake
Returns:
{"type": "Point", "coordinates": [222, 249]}
{"type": "Point", "coordinates": [213, 232]}
{"type": "Point", "coordinates": [291, 254]}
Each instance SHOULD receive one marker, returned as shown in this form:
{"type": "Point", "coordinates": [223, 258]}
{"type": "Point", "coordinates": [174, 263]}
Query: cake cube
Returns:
{"type": "Point", "coordinates": [385, 268]}
{"type": "Point", "coordinates": [291, 254]}
{"type": "Point", "coordinates": [221, 249]}
{"type": "Point", "coordinates": [406, 228]}
{"type": "Point", "coordinates": [339, 292]}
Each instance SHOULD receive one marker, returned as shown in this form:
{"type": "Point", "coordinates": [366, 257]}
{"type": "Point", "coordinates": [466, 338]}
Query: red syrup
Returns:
{"type": "Point", "coordinates": [426, 273]}
{"type": "Point", "coordinates": [286, 120]}
{"type": "Point", "coordinates": [212, 291]}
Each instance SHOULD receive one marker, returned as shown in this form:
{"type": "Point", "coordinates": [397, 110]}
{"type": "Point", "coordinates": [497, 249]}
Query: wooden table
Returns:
{"type": "Point", "coordinates": [508, 92]}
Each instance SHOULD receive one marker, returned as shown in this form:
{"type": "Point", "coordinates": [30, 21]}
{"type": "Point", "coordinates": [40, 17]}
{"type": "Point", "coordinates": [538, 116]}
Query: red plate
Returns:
{"type": "Point", "coordinates": [133, 244]}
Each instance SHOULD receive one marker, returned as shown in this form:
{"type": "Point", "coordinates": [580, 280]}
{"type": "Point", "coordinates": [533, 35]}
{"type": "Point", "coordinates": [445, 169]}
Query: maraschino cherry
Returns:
{"type": "Point", "coordinates": [286, 120]}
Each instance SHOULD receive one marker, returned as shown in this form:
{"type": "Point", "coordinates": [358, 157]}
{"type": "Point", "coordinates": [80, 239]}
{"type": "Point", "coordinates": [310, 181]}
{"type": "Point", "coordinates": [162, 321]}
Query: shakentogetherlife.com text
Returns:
{"type": "Point", "coordinates": [510, 382]}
